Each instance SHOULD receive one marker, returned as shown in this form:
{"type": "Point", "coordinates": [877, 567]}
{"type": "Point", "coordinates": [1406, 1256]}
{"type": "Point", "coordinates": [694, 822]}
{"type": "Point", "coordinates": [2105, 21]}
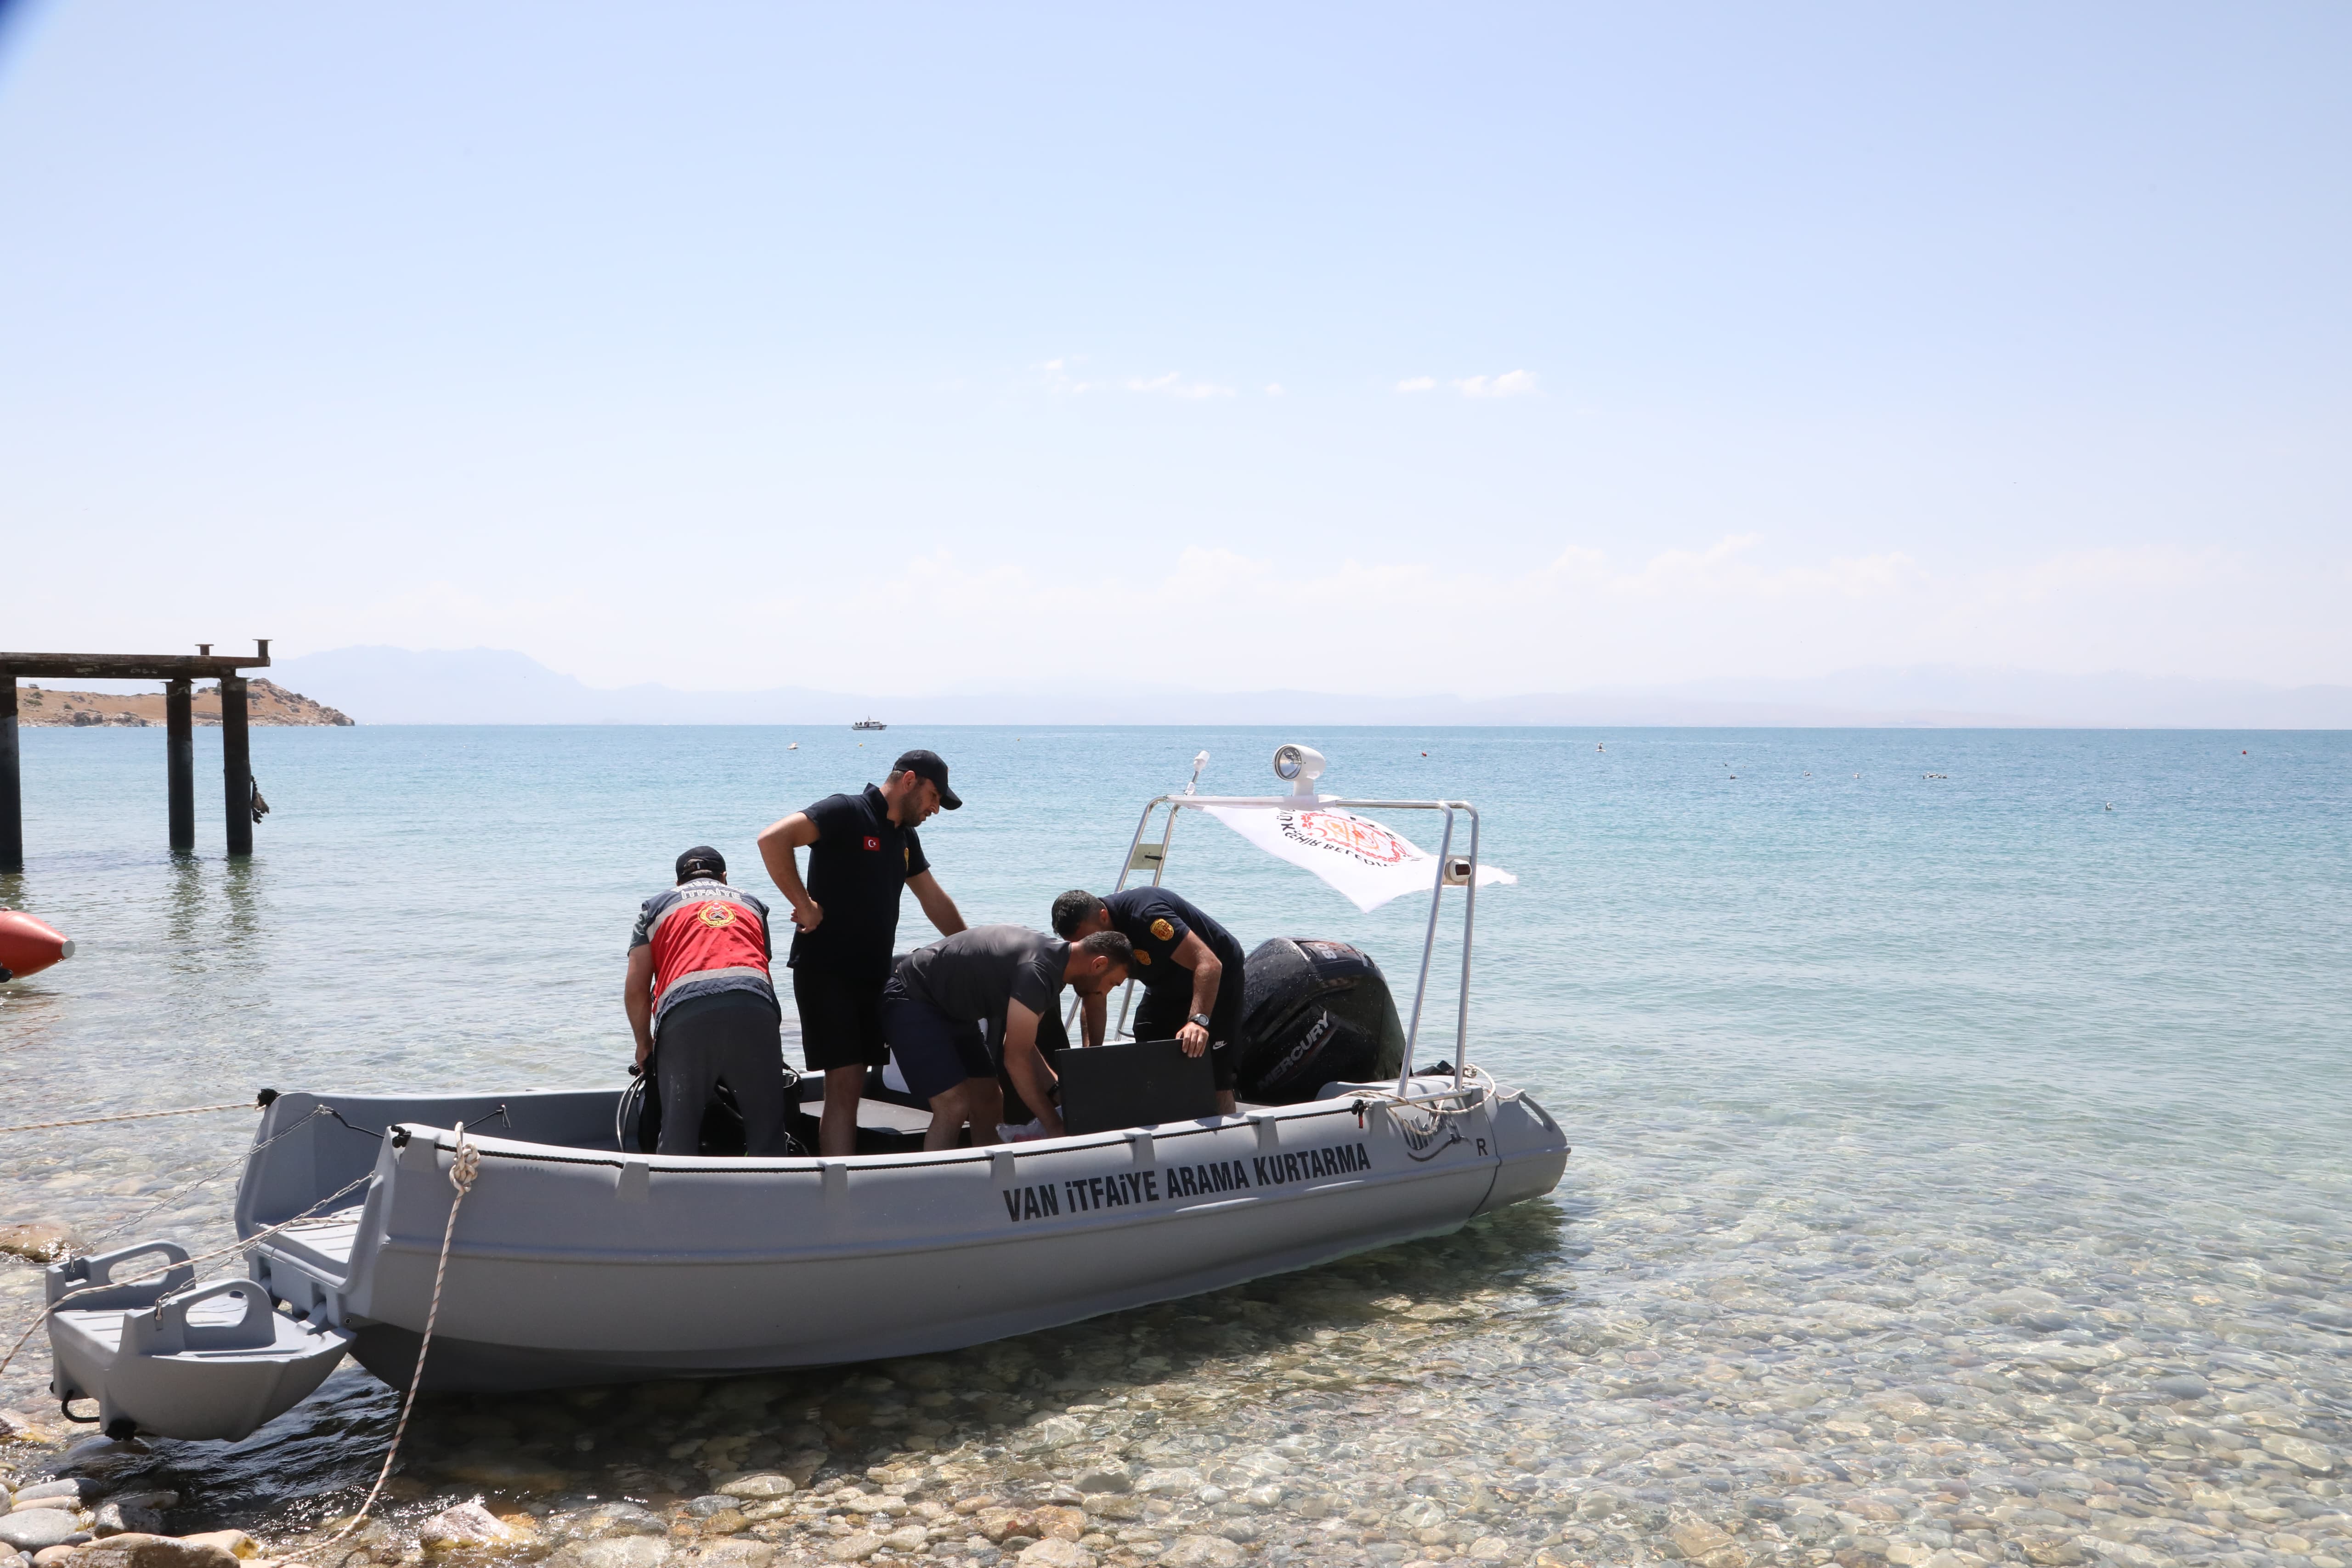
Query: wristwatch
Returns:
{"type": "Point", "coordinates": [1202, 1019]}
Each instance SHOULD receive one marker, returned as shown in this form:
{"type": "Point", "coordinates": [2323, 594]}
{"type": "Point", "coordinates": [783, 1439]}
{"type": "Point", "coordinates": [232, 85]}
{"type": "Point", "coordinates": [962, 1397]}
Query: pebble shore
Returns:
{"type": "Point", "coordinates": [1751, 1377]}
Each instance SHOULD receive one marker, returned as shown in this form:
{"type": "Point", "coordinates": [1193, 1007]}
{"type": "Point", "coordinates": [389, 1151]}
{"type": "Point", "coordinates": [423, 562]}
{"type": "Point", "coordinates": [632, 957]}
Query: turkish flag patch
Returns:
{"type": "Point", "coordinates": [872, 842]}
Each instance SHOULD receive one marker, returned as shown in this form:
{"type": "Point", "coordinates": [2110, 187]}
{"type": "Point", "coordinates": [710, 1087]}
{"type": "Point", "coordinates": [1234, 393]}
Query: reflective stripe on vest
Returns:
{"type": "Point", "coordinates": [710, 933]}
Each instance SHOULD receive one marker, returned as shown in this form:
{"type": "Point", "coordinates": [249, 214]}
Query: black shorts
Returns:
{"type": "Point", "coordinates": [935, 1052]}
{"type": "Point", "coordinates": [841, 1017]}
{"type": "Point", "coordinates": [1161, 1012]}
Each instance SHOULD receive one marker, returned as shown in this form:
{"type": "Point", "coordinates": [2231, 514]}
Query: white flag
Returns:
{"type": "Point", "coordinates": [1355, 855]}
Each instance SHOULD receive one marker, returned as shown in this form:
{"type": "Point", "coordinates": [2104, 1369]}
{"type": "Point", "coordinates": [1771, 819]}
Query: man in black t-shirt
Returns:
{"type": "Point", "coordinates": [1189, 966]}
{"type": "Point", "coordinates": [862, 852]}
{"type": "Point", "coordinates": [949, 1003]}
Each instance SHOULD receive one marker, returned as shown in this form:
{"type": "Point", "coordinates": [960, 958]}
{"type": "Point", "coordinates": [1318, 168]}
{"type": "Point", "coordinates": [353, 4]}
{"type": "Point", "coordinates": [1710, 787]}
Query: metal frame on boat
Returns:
{"type": "Point", "coordinates": [1309, 764]}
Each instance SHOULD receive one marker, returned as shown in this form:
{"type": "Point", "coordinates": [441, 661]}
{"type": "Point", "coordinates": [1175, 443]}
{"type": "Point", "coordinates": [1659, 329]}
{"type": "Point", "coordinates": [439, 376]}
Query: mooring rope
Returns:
{"type": "Point", "coordinates": [463, 1168]}
{"type": "Point", "coordinates": [244, 1157]}
{"type": "Point", "coordinates": [1478, 1090]}
{"type": "Point", "coordinates": [43, 1315]}
{"type": "Point", "coordinates": [131, 1116]}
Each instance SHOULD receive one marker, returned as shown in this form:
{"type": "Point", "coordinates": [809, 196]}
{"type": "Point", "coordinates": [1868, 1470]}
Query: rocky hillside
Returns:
{"type": "Point", "coordinates": [264, 704]}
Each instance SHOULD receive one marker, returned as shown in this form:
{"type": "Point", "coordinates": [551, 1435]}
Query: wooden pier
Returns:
{"type": "Point", "coordinates": [179, 675]}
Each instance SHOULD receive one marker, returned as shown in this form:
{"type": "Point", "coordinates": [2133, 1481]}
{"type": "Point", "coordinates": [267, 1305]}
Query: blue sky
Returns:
{"type": "Point", "coordinates": [1492, 348]}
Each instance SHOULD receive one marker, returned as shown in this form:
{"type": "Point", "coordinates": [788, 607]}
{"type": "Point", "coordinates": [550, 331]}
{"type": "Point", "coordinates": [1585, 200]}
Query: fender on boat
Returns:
{"type": "Point", "coordinates": [28, 945]}
{"type": "Point", "coordinates": [1533, 1150]}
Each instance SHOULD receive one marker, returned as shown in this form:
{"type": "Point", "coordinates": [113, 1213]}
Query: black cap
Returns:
{"type": "Point", "coordinates": [927, 766]}
{"type": "Point", "coordinates": [701, 860]}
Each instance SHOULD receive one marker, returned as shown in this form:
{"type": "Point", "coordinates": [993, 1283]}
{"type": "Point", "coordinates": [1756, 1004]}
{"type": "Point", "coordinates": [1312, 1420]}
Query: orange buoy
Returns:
{"type": "Point", "coordinates": [28, 946]}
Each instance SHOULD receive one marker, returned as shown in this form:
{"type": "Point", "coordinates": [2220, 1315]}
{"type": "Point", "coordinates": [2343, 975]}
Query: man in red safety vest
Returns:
{"type": "Point", "coordinates": [699, 989]}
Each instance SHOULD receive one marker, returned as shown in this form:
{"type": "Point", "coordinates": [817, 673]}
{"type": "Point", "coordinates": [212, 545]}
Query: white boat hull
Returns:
{"type": "Point", "coordinates": [572, 1264]}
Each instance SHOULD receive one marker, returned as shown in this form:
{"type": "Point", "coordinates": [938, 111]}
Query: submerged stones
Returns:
{"type": "Point", "coordinates": [32, 1529]}
{"type": "Point", "coordinates": [38, 1241]}
{"type": "Point", "coordinates": [467, 1524]}
{"type": "Point", "coordinates": [619, 1552]}
{"type": "Point", "coordinates": [140, 1551]}
{"type": "Point", "coordinates": [1835, 1364]}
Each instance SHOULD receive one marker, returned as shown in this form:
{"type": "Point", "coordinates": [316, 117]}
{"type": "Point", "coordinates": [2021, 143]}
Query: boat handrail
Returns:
{"type": "Point", "coordinates": [1176, 803]}
{"type": "Point", "coordinates": [528, 1153]}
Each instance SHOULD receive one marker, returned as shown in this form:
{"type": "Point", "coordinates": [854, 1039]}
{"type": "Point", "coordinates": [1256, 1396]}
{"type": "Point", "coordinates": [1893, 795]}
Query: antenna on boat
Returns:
{"type": "Point", "coordinates": [1200, 760]}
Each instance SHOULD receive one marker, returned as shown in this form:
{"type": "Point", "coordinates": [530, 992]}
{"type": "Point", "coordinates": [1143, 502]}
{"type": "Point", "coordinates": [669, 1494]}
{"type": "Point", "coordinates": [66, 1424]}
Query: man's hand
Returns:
{"type": "Point", "coordinates": [637, 998]}
{"type": "Point", "coordinates": [777, 842]}
{"type": "Point", "coordinates": [1193, 1038]}
{"type": "Point", "coordinates": [1025, 1065]}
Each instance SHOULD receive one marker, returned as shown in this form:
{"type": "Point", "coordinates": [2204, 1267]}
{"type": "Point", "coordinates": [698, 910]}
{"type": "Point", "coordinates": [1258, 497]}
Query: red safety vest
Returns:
{"type": "Point", "coordinates": [708, 931]}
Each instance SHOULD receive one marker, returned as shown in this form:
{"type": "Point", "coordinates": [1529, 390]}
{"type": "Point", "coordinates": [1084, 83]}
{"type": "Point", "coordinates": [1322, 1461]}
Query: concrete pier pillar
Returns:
{"type": "Point", "coordinates": [237, 765]}
{"type": "Point", "coordinates": [180, 762]}
{"type": "Point", "coordinates": [12, 795]}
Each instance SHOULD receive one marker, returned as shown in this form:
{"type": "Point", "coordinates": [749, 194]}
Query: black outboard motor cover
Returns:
{"type": "Point", "coordinates": [1314, 1013]}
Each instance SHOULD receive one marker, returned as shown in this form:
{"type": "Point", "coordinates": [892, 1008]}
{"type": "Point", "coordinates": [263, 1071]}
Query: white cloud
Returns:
{"type": "Point", "coordinates": [1060, 377]}
{"type": "Point", "coordinates": [1510, 384]}
{"type": "Point", "coordinates": [1173, 384]}
{"type": "Point", "coordinates": [1736, 603]}
{"type": "Point", "coordinates": [1274, 389]}
{"type": "Point", "coordinates": [1583, 618]}
{"type": "Point", "coordinates": [2159, 566]}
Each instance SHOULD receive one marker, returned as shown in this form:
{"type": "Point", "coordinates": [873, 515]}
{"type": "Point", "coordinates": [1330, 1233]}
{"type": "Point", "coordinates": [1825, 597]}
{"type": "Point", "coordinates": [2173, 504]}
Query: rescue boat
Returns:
{"type": "Point", "coordinates": [28, 945]}
{"type": "Point", "coordinates": [571, 1257]}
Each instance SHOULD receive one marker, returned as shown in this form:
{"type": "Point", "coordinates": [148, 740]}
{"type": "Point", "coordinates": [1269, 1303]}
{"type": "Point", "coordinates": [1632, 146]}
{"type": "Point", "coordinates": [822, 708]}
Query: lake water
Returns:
{"type": "Point", "coordinates": [1961, 1165]}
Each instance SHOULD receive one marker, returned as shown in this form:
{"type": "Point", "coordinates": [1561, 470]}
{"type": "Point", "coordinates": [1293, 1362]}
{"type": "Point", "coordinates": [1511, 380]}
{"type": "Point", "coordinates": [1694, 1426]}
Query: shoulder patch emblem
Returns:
{"type": "Point", "coordinates": [1163, 931]}
{"type": "Point", "coordinates": [872, 842]}
{"type": "Point", "coordinates": [1143, 957]}
{"type": "Point", "coordinates": [715, 914]}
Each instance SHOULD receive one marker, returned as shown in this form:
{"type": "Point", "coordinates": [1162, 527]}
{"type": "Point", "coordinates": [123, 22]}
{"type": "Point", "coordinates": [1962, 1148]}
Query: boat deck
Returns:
{"type": "Point", "coordinates": [324, 1244]}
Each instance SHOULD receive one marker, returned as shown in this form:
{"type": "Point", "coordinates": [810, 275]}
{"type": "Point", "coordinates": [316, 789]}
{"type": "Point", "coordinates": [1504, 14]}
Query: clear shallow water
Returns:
{"type": "Point", "coordinates": [1960, 1166]}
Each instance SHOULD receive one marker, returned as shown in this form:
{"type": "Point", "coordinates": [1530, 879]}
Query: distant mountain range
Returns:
{"type": "Point", "coordinates": [495, 686]}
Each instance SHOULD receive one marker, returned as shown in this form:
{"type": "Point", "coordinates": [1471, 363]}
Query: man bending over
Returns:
{"type": "Point", "coordinates": [947, 1004]}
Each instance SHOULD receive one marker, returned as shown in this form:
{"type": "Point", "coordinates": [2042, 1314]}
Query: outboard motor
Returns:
{"type": "Point", "coordinates": [1314, 1013]}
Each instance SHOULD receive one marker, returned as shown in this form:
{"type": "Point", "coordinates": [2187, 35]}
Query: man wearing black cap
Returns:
{"type": "Point", "coordinates": [699, 986]}
{"type": "Point", "coordinates": [862, 852]}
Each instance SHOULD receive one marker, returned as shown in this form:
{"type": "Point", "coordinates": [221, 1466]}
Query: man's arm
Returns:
{"type": "Point", "coordinates": [1027, 1065]}
{"type": "Point", "coordinates": [777, 842]}
{"type": "Point", "coordinates": [637, 998]}
{"type": "Point", "coordinates": [1207, 974]}
{"type": "Point", "coordinates": [937, 904]}
{"type": "Point", "coordinates": [1094, 1016]}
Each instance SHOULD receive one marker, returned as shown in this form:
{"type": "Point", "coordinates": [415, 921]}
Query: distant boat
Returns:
{"type": "Point", "coordinates": [793, 747]}
{"type": "Point", "coordinates": [869, 724]}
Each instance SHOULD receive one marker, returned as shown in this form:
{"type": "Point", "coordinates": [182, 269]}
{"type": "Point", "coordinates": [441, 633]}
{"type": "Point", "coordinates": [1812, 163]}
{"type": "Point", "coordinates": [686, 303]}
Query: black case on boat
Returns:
{"type": "Point", "coordinates": [1138, 1085]}
{"type": "Point", "coordinates": [1314, 1013]}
